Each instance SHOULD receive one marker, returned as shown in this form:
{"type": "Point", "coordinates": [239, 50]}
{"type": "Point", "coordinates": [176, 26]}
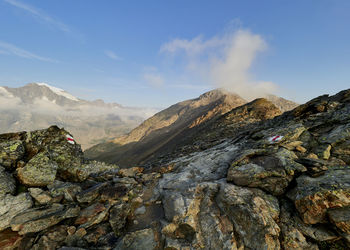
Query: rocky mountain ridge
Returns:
{"type": "Point", "coordinates": [39, 105]}
{"type": "Point", "coordinates": [166, 130]}
{"type": "Point", "coordinates": [245, 190]}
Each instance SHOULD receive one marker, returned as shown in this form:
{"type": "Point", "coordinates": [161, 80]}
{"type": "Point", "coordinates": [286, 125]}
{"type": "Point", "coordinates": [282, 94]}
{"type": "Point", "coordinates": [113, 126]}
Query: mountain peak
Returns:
{"type": "Point", "coordinates": [56, 90]}
{"type": "Point", "coordinates": [218, 93]}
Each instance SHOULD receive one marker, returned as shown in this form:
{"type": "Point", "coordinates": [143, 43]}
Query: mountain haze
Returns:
{"type": "Point", "coordinates": [39, 105]}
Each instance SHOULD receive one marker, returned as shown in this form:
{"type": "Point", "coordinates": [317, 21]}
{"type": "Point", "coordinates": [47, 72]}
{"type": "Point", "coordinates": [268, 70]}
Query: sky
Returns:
{"type": "Point", "coordinates": [156, 53]}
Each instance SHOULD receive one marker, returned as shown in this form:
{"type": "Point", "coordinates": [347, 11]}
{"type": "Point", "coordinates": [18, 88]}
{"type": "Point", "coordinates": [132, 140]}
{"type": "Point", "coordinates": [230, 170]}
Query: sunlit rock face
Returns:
{"type": "Point", "coordinates": [175, 126]}
{"type": "Point", "coordinates": [235, 189]}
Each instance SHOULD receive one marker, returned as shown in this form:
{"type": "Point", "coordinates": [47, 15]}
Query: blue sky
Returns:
{"type": "Point", "coordinates": [156, 53]}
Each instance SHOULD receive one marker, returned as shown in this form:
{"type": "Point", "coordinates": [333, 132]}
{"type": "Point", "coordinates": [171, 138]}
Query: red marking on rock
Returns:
{"type": "Point", "coordinates": [275, 138]}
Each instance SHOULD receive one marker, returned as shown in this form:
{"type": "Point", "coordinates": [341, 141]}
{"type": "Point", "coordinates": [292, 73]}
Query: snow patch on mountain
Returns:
{"type": "Point", "coordinates": [58, 91]}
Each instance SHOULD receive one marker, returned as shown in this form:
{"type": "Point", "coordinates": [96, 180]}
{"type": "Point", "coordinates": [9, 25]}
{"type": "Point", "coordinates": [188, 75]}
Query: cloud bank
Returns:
{"type": "Point", "coordinates": [225, 61]}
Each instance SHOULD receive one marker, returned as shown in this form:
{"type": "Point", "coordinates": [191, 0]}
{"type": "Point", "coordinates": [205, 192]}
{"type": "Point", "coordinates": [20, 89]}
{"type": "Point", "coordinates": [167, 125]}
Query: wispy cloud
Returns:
{"type": "Point", "coordinates": [10, 49]}
{"type": "Point", "coordinates": [191, 47]}
{"type": "Point", "coordinates": [40, 15]}
{"type": "Point", "coordinates": [112, 55]}
{"type": "Point", "coordinates": [154, 79]}
{"type": "Point", "coordinates": [225, 60]}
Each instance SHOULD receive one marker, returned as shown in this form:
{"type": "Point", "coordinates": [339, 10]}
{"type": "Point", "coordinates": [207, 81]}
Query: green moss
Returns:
{"type": "Point", "coordinates": [14, 146]}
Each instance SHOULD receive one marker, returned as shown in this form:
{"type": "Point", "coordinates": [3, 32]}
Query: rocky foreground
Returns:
{"type": "Point", "coordinates": [249, 189]}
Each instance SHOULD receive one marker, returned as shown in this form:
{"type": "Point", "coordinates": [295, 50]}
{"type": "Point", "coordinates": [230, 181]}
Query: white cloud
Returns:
{"type": "Point", "coordinates": [154, 79]}
{"type": "Point", "coordinates": [112, 55]}
{"type": "Point", "coordinates": [9, 103]}
{"type": "Point", "coordinates": [192, 47]}
{"type": "Point", "coordinates": [11, 49]}
{"type": "Point", "coordinates": [224, 60]}
{"type": "Point", "coordinates": [39, 14]}
{"type": "Point", "coordinates": [46, 107]}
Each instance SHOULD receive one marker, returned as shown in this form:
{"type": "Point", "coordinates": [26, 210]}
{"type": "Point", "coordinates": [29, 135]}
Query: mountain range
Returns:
{"type": "Point", "coordinates": [172, 127]}
{"type": "Point", "coordinates": [39, 105]}
{"type": "Point", "coordinates": [250, 177]}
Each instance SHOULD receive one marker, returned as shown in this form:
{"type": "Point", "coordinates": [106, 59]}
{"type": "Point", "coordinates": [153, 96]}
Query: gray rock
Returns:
{"type": "Point", "coordinates": [92, 215]}
{"type": "Point", "coordinates": [140, 210]}
{"type": "Point", "coordinates": [313, 197]}
{"type": "Point", "coordinates": [38, 219]}
{"type": "Point", "coordinates": [173, 204]}
{"type": "Point", "coordinates": [11, 150]}
{"type": "Point", "coordinates": [41, 196]}
{"type": "Point", "coordinates": [315, 167]}
{"type": "Point", "coordinates": [91, 193]}
{"type": "Point", "coordinates": [337, 135]}
{"type": "Point", "coordinates": [67, 189]}
{"type": "Point", "coordinates": [272, 172]}
{"type": "Point", "coordinates": [52, 238]}
{"type": "Point", "coordinates": [341, 218]}
{"type": "Point", "coordinates": [253, 214]}
{"type": "Point", "coordinates": [139, 240]}
{"type": "Point", "coordinates": [342, 151]}
{"type": "Point", "coordinates": [10, 206]}
{"type": "Point", "coordinates": [292, 237]}
{"type": "Point", "coordinates": [7, 182]}
{"type": "Point", "coordinates": [39, 171]}
{"type": "Point", "coordinates": [99, 170]}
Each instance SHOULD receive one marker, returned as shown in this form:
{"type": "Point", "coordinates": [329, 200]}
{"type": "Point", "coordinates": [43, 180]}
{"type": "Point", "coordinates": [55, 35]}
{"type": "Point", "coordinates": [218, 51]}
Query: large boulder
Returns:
{"type": "Point", "coordinates": [270, 171]}
{"type": "Point", "coordinates": [254, 215]}
{"type": "Point", "coordinates": [314, 197]}
{"type": "Point", "coordinates": [67, 154]}
{"type": "Point", "coordinates": [39, 171]}
{"type": "Point", "coordinates": [41, 156]}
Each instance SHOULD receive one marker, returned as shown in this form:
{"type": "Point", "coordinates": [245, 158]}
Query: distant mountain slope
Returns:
{"type": "Point", "coordinates": [281, 103]}
{"type": "Point", "coordinates": [165, 127]}
{"type": "Point", "coordinates": [39, 105]}
{"type": "Point", "coordinates": [170, 128]}
{"type": "Point", "coordinates": [212, 132]}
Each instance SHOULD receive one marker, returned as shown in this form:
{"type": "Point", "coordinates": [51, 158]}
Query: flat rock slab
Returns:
{"type": "Point", "coordinates": [38, 219]}
{"type": "Point", "coordinates": [10, 206]}
{"type": "Point", "coordinates": [93, 215]}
